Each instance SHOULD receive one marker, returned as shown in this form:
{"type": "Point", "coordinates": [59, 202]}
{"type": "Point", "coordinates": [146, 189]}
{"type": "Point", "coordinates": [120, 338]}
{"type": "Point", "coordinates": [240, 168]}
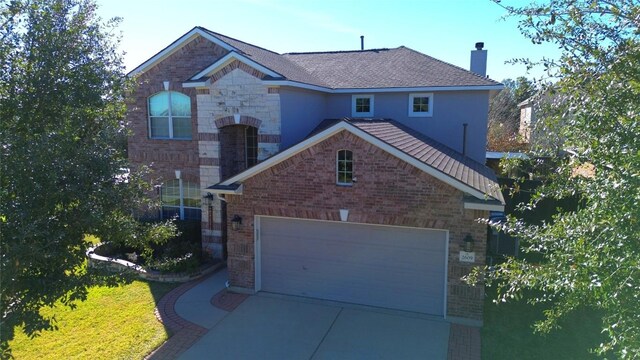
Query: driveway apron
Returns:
{"type": "Point", "coordinates": [264, 327]}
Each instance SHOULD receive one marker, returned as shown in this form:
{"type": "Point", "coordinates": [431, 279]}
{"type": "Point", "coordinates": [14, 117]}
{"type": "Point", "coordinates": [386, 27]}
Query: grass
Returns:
{"type": "Point", "coordinates": [113, 323]}
{"type": "Point", "coordinates": [508, 333]}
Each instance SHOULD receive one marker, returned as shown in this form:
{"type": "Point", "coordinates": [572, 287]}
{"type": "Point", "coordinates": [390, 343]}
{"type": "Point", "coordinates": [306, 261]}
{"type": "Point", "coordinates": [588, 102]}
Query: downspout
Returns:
{"type": "Point", "coordinates": [464, 139]}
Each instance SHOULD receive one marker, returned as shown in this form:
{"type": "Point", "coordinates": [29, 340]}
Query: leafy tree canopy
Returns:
{"type": "Point", "coordinates": [63, 174]}
{"type": "Point", "coordinates": [504, 115]}
{"type": "Point", "coordinates": [591, 255]}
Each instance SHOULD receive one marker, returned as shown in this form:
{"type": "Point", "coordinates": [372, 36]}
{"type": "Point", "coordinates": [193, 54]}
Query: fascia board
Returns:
{"type": "Point", "coordinates": [381, 90]}
{"type": "Point", "coordinates": [176, 45]}
{"type": "Point", "coordinates": [211, 69]}
{"type": "Point", "coordinates": [489, 207]}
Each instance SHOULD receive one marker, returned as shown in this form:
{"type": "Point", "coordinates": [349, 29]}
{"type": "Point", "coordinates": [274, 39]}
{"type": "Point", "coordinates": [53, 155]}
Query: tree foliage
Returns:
{"type": "Point", "coordinates": [590, 255]}
{"type": "Point", "coordinates": [504, 115]}
{"type": "Point", "coordinates": [62, 173]}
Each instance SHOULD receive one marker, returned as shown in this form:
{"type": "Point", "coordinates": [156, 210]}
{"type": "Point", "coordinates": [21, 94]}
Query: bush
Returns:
{"type": "Point", "coordinates": [181, 253]}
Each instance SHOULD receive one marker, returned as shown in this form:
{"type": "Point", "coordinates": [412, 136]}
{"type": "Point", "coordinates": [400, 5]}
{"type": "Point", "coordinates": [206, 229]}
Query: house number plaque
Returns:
{"type": "Point", "coordinates": [467, 257]}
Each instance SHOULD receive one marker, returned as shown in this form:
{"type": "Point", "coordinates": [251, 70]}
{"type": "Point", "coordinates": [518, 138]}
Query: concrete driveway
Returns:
{"type": "Point", "coordinates": [269, 326]}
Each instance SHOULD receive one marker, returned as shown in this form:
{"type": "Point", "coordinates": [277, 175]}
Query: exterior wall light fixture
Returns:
{"type": "Point", "coordinates": [468, 243]}
{"type": "Point", "coordinates": [236, 221]}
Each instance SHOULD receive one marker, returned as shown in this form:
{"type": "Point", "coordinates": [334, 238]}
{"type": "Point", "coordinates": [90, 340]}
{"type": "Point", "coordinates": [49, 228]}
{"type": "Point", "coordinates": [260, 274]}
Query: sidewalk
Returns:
{"type": "Point", "coordinates": [188, 314]}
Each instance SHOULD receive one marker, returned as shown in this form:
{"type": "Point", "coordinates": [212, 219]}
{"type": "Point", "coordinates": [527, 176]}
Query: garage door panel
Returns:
{"type": "Point", "coordinates": [350, 250]}
{"type": "Point", "coordinates": [400, 268]}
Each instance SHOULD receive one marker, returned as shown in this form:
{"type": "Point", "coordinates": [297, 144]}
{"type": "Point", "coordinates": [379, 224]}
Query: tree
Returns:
{"type": "Point", "coordinates": [591, 254]}
{"type": "Point", "coordinates": [504, 115]}
{"type": "Point", "coordinates": [62, 174]}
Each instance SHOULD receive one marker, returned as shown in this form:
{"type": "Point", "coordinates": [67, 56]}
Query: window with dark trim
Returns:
{"type": "Point", "coordinates": [251, 145]}
{"type": "Point", "coordinates": [344, 167]}
{"type": "Point", "coordinates": [170, 116]}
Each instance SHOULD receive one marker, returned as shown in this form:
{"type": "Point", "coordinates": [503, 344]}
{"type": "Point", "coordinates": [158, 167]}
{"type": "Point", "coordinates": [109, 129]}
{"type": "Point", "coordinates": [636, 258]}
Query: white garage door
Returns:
{"type": "Point", "coordinates": [391, 267]}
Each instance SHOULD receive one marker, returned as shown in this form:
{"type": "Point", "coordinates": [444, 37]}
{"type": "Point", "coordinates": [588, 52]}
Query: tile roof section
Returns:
{"type": "Point", "coordinates": [368, 69]}
{"type": "Point", "coordinates": [428, 151]}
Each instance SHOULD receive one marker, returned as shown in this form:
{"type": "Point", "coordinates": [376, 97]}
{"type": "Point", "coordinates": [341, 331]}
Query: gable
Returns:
{"type": "Point", "coordinates": [309, 178]}
{"type": "Point", "coordinates": [179, 44]}
{"type": "Point", "coordinates": [233, 184]}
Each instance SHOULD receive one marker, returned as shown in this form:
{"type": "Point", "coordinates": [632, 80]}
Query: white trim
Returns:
{"type": "Point", "coordinates": [382, 90]}
{"type": "Point", "coordinates": [237, 191]}
{"type": "Point", "coordinates": [176, 45]}
{"type": "Point", "coordinates": [338, 168]}
{"type": "Point", "coordinates": [170, 116]}
{"type": "Point", "coordinates": [194, 84]}
{"type": "Point", "coordinates": [278, 158]}
{"type": "Point", "coordinates": [446, 272]}
{"type": "Point", "coordinates": [355, 97]}
{"type": "Point", "coordinates": [429, 96]}
{"type": "Point", "coordinates": [477, 206]}
{"type": "Point", "coordinates": [225, 60]}
{"type": "Point", "coordinates": [257, 252]}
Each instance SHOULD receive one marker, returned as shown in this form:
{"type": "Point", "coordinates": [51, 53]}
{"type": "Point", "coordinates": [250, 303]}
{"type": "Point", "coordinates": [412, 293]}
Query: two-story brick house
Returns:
{"type": "Point", "coordinates": [354, 176]}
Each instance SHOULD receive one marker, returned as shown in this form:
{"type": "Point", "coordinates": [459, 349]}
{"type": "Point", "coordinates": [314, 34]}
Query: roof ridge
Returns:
{"type": "Point", "coordinates": [338, 51]}
{"type": "Point", "coordinates": [234, 39]}
{"type": "Point", "coordinates": [450, 64]}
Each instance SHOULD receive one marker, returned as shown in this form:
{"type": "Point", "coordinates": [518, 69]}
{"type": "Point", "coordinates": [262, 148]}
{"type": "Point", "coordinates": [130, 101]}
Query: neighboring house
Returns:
{"type": "Point", "coordinates": [527, 119]}
{"type": "Point", "coordinates": [333, 175]}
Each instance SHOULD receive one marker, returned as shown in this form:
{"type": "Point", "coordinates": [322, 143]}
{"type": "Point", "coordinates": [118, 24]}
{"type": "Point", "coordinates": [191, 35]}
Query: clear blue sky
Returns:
{"type": "Point", "coordinates": [445, 29]}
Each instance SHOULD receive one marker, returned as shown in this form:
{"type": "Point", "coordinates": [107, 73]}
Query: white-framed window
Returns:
{"type": "Point", "coordinates": [421, 105]}
{"type": "Point", "coordinates": [185, 207]}
{"type": "Point", "coordinates": [362, 105]}
{"type": "Point", "coordinates": [344, 167]}
{"type": "Point", "coordinates": [169, 116]}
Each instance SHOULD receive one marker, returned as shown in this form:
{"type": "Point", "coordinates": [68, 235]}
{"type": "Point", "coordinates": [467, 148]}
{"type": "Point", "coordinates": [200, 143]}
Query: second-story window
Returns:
{"type": "Point", "coordinates": [362, 105]}
{"type": "Point", "coordinates": [169, 116]}
{"type": "Point", "coordinates": [421, 105]}
{"type": "Point", "coordinates": [344, 168]}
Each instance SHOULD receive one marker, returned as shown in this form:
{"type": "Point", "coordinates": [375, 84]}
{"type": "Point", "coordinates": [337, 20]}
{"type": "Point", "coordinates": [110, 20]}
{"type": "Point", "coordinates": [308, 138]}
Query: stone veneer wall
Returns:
{"type": "Point", "coordinates": [236, 96]}
{"type": "Point", "coordinates": [389, 191]}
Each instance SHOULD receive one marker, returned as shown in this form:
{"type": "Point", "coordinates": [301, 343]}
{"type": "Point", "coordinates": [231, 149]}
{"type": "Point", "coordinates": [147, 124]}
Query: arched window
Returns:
{"type": "Point", "coordinates": [344, 167]}
{"type": "Point", "coordinates": [186, 207]}
{"type": "Point", "coordinates": [170, 115]}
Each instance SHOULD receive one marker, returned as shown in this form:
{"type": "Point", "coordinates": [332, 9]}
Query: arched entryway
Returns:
{"type": "Point", "coordinates": [238, 149]}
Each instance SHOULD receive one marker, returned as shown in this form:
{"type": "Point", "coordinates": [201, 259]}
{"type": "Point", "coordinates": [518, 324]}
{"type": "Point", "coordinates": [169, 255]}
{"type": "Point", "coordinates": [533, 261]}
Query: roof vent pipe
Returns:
{"type": "Point", "coordinates": [361, 42]}
{"type": "Point", "coordinates": [464, 139]}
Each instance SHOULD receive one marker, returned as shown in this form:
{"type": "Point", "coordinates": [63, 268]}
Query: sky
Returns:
{"type": "Point", "coordinates": [444, 29]}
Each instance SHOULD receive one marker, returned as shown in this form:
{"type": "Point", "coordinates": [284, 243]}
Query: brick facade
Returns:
{"type": "Point", "coordinates": [388, 191]}
{"type": "Point", "coordinates": [234, 96]}
{"type": "Point", "coordinates": [166, 156]}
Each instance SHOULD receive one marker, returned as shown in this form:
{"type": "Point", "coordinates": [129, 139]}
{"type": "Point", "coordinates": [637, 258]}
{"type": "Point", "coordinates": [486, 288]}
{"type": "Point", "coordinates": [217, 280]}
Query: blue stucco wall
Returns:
{"type": "Point", "coordinates": [451, 109]}
{"type": "Point", "coordinates": [300, 112]}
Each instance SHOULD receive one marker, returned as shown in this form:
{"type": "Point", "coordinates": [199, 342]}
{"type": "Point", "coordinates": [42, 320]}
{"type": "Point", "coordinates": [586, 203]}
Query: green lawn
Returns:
{"type": "Point", "coordinates": [114, 323]}
{"type": "Point", "coordinates": [508, 334]}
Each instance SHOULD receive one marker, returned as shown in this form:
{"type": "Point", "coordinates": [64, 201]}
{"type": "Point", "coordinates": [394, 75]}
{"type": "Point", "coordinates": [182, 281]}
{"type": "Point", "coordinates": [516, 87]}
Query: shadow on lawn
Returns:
{"type": "Point", "coordinates": [508, 333]}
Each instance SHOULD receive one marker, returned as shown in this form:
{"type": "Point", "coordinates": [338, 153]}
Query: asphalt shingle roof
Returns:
{"type": "Point", "coordinates": [383, 68]}
{"type": "Point", "coordinates": [376, 68]}
{"type": "Point", "coordinates": [429, 152]}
